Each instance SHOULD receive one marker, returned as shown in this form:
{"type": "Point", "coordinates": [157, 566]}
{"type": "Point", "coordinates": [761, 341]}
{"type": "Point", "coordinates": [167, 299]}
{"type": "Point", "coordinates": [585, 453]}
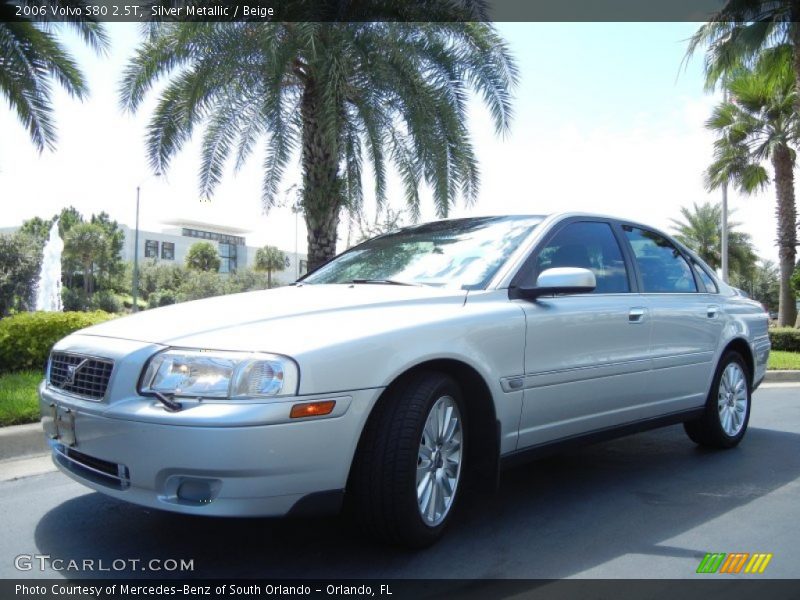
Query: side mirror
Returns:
{"type": "Point", "coordinates": [562, 280]}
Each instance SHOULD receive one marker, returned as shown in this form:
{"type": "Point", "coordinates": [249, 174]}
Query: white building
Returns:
{"type": "Point", "coordinates": [173, 243]}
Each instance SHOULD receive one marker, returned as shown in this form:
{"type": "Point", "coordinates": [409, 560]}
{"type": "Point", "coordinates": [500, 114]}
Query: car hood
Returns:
{"type": "Point", "coordinates": [285, 320]}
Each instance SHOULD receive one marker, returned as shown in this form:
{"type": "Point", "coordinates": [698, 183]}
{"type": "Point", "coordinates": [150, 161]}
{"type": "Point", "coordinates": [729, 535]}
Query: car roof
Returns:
{"type": "Point", "coordinates": [550, 217]}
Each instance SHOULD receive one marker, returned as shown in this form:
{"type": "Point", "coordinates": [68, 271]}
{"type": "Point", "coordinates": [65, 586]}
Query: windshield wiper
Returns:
{"type": "Point", "coordinates": [167, 400]}
{"type": "Point", "coordinates": [383, 281]}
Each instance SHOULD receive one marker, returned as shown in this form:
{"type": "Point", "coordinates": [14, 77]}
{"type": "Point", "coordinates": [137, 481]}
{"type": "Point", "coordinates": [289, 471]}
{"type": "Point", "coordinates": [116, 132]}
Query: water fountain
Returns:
{"type": "Point", "coordinates": [48, 292]}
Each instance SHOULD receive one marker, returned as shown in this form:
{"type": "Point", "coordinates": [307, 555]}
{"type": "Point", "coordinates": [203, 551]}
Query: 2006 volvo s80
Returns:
{"type": "Point", "coordinates": [405, 368]}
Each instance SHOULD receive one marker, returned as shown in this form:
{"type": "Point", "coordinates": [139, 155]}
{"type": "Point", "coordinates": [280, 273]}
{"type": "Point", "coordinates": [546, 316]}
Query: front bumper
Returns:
{"type": "Point", "coordinates": [187, 462]}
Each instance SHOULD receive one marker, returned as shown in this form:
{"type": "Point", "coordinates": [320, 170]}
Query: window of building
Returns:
{"type": "Point", "coordinates": [228, 258]}
{"type": "Point", "coordinates": [223, 238]}
{"type": "Point", "coordinates": [167, 250]}
{"type": "Point", "coordinates": [587, 245]}
{"type": "Point", "coordinates": [662, 266]}
{"type": "Point", "coordinates": [151, 249]}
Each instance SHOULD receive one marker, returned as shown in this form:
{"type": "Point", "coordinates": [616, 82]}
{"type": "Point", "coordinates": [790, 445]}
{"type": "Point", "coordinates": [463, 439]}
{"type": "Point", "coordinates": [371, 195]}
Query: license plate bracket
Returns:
{"type": "Point", "coordinates": [63, 425]}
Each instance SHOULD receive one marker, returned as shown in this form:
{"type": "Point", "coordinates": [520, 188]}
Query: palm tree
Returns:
{"type": "Point", "coordinates": [759, 124]}
{"type": "Point", "coordinates": [269, 259]}
{"type": "Point", "coordinates": [340, 93]}
{"type": "Point", "coordinates": [742, 30]}
{"type": "Point", "coordinates": [31, 58]}
{"type": "Point", "coordinates": [699, 229]}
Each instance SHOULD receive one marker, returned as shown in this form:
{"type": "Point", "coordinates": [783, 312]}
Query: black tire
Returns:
{"type": "Point", "coordinates": [709, 430]}
{"type": "Point", "coordinates": [383, 484]}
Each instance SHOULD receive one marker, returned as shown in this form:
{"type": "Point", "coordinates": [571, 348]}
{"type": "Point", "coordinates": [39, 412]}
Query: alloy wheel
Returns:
{"type": "Point", "coordinates": [439, 461]}
{"type": "Point", "coordinates": [732, 399]}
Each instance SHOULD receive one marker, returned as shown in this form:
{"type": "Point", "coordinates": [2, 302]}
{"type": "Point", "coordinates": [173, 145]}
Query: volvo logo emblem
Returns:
{"type": "Point", "coordinates": [72, 370]}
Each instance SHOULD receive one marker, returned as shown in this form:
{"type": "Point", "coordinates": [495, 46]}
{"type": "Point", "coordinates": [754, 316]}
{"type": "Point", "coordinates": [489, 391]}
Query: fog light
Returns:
{"type": "Point", "coordinates": [198, 491]}
{"type": "Point", "coordinates": [312, 409]}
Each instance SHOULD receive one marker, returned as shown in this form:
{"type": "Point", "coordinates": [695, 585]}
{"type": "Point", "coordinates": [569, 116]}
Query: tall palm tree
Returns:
{"type": "Point", "coordinates": [339, 92]}
{"type": "Point", "coordinates": [699, 229]}
{"type": "Point", "coordinates": [31, 58]}
{"type": "Point", "coordinates": [759, 124]}
{"type": "Point", "coordinates": [742, 30]}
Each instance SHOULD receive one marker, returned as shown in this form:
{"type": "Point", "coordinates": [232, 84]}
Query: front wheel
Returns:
{"type": "Point", "coordinates": [409, 466]}
{"type": "Point", "coordinates": [727, 411]}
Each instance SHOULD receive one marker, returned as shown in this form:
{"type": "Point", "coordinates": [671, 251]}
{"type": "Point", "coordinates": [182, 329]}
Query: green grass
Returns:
{"type": "Point", "coordinates": [782, 361]}
{"type": "Point", "coordinates": [18, 403]}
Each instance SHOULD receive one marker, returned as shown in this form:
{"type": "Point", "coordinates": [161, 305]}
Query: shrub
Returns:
{"type": "Point", "coordinates": [26, 338]}
{"type": "Point", "coordinates": [785, 338]}
{"type": "Point", "coordinates": [127, 302]}
{"type": "Point", "coordinates": [73, 299]}
{"type": "Point", "coordinates": [106, 301]}
{"type": "Point", "coordinates": [160, 276]}
{"type": "Point", "coordinates": [246, 280]}
{"type": "Point", "coordinates": [201, 284]}
{"type": "Point", "coordinates": [164, 298]}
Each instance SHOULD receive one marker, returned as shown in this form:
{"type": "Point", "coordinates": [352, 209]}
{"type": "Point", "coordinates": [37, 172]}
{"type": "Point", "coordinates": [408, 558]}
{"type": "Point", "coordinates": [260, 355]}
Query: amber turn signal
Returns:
{"type": "Point", "coordinates": [312, 409]}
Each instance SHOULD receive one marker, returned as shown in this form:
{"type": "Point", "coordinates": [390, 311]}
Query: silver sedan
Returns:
{"type": "Point", "coordinates": [405, 369]}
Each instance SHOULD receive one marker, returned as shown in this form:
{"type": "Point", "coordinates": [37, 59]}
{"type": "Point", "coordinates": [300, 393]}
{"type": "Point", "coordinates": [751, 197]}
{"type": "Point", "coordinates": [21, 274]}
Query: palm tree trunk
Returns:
{"type": "Point", "coordinates": [269, 278]}
{"type": "Point", "coordinates": [322, 184]}
{"type": "Point", "coordinates": [795, 33]}
{"type": "Point", "coordinates": [795, 39]}
{"type": "Point", "coordinates": [786, 212]}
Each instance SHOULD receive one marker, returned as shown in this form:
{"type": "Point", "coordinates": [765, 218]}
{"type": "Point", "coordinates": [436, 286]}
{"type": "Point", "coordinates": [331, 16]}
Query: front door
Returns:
{"type": "Point", "coordinates": [586, 355]}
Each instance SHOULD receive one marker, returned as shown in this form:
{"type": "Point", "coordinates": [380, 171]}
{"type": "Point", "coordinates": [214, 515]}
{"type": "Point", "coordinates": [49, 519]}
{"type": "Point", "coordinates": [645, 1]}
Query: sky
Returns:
{"type": "Point", "coordinates": [606, 119]}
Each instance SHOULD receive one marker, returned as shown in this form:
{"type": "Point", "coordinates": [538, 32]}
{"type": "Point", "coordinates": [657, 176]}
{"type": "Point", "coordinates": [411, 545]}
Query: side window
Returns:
{"type": "Point", "coordinates": [708, 282]}
{"type": "Point", "coordinates": [588, 245]}
{"type": "Point", "coordinates": [663, 268]}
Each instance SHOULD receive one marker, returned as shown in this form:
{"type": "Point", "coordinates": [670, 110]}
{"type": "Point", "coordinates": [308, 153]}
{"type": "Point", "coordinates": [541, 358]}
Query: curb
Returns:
{"type": "Point", "coordinates": [774, 376]}
{"type": "Point", "coordinates": [22, 440]}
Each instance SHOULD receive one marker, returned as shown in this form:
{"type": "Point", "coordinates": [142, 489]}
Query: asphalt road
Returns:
{"type": "Point", "coordinates": [647, 506]}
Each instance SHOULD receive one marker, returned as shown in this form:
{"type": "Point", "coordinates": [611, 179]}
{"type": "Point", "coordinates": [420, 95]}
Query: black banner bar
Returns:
{"type": "Point", "coordinates": [358, 10]}
{"type": "Point", "coordinates": [702, 588]}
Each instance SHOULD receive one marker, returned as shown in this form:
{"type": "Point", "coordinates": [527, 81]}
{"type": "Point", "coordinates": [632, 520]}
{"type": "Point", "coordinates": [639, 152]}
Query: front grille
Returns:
{"type": "Point", "coordinates": [80, 375]}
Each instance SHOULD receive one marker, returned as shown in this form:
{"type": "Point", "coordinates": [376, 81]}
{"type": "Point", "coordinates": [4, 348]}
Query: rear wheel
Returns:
{"type": "Point", "coordinates": [409, 466]}
{"type": "Point", "coordinates": [727, 411]}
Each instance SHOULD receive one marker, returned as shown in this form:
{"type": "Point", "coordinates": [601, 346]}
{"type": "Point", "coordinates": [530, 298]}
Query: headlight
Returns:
{"type": "Point", "coordinates": [216, 374]}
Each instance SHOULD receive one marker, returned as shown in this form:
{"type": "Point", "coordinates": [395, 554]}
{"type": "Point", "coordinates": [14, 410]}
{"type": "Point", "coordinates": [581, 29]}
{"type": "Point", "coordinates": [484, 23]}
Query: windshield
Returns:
{"type": "Point", "coordinates": [460, 253]}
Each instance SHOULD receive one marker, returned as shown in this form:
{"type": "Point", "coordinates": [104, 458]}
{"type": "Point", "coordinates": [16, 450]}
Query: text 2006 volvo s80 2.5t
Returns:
{"type": "Point", "coordinates": [406, 367]}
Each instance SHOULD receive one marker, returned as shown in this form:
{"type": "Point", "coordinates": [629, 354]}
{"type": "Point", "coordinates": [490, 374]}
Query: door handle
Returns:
{"type": "Point", "coordinates": [712, 310]}
{"type": "Point", "coordinates": [636, 315]}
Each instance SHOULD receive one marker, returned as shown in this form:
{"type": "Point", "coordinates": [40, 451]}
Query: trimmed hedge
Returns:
{"type": "Point", "coordinates": [785, 338]}
{"type": "Point", "coordinates": [26, 338]}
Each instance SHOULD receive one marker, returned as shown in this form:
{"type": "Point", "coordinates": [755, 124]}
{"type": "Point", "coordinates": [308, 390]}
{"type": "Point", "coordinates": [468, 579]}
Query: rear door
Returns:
{"type": "Point", "coordinates": [686, 323]}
